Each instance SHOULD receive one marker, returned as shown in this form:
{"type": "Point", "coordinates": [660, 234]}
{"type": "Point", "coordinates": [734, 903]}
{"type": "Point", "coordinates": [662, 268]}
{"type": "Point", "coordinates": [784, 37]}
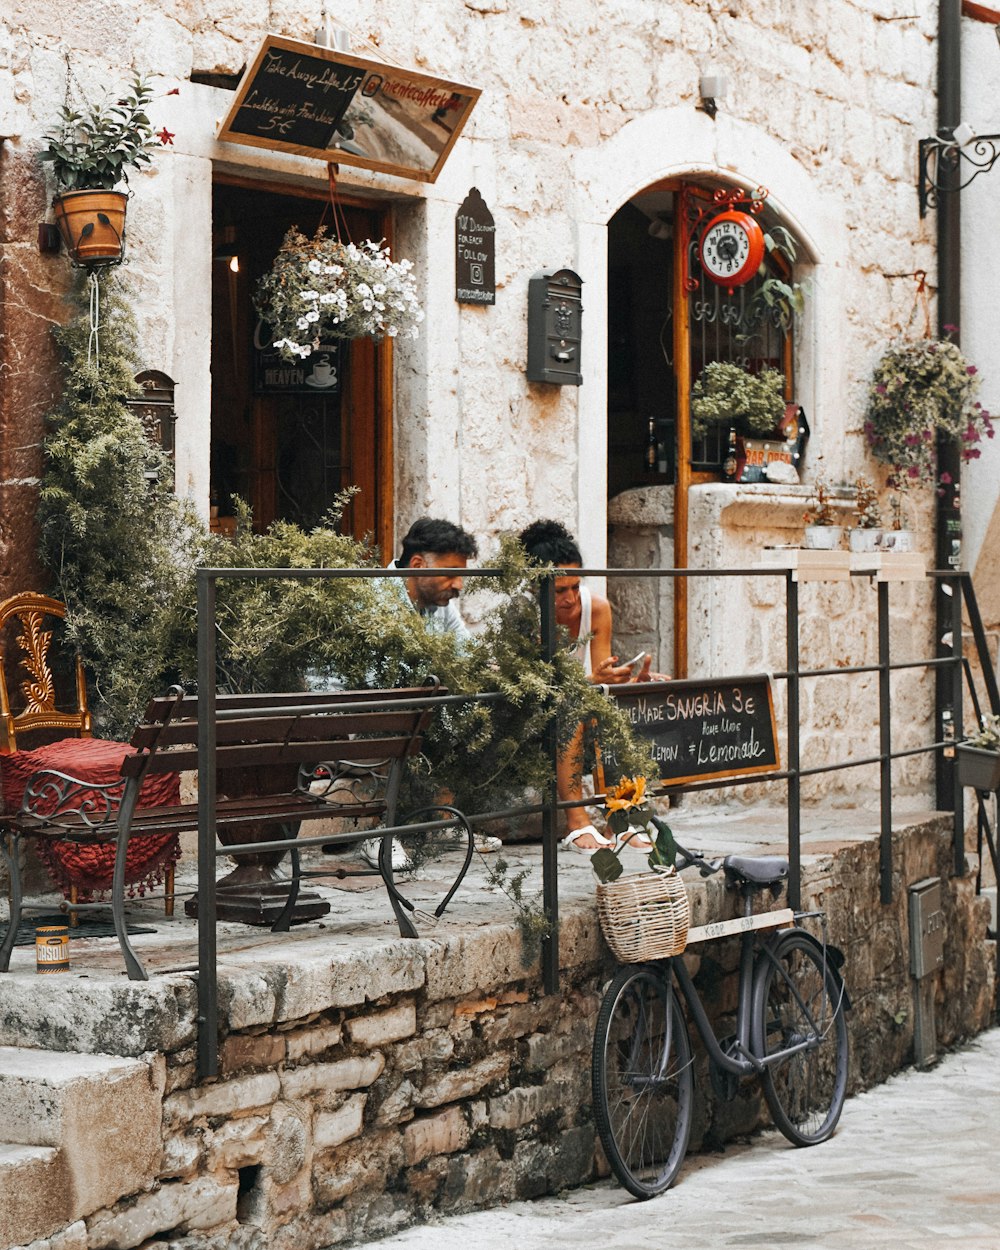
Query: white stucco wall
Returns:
{"type": "Point", "coordinates": [981, 281]}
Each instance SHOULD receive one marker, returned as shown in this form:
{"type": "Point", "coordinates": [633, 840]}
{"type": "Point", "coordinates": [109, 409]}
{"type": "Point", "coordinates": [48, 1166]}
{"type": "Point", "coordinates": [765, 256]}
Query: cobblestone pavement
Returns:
{"type": "Point", "coordinates": [913, 1165]}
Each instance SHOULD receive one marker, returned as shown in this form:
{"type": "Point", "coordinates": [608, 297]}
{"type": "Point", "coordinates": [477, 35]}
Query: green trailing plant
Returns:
{"type": "Point", "coordinates": [532, 920]}
{"type": "Point", "coordinates": [779, 301]}
{"type": "Point", "coordinates": [987, 736]}
{"type": "Point", "coordinates": [726, 394]}
{"type": "Point", "coordinates": [123, 552]}
{"type": "Point", "coordinates": [920, 389]}
{"type": "Point", "coordinates": [95, 146]}
{"type": "Point", "coordinates": [867, 513]}
{"type": "Point", "coordinates": [362, 632]}
{"type": "Point", "coordinates": [114, 538]}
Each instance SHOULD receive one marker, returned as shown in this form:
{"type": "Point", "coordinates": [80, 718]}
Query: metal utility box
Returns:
{"type": "Point", "coordinates": [926, 927]}
{"type": "Point", "coordinates": [555, 314]}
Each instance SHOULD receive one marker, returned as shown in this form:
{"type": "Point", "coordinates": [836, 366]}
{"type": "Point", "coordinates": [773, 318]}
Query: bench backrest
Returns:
{"type": "Point", "coordinates": [274, 729]}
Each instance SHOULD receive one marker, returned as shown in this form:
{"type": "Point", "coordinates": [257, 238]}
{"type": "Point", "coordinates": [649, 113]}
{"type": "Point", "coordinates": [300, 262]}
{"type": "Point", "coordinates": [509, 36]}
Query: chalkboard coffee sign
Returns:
{"type": "Point", "coordinates": [314, 101]}
{"type": "Point", "coordinates": [702, 729]}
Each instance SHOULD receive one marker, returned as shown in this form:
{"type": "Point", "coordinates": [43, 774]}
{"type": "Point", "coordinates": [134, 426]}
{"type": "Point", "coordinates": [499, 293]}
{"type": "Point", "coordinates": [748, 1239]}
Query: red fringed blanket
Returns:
{"type": "Point", "coordinates": [90, 866]}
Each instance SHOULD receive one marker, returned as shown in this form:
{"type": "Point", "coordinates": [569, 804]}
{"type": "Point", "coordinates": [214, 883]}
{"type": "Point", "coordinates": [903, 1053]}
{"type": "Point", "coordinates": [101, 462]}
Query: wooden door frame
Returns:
{"type": "Point", "coordinates": [383, 529]}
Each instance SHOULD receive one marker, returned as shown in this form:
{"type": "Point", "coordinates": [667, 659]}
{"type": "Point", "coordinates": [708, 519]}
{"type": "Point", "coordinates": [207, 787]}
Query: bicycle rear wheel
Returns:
{"type": "Point", "coordinates": [642, 1081]}
{"type": "Point", "coordinates": [798, 998]}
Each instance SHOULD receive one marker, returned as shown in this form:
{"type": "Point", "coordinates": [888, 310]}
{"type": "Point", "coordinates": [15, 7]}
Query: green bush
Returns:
{"type": "Point", "coordinates": [122, 552]}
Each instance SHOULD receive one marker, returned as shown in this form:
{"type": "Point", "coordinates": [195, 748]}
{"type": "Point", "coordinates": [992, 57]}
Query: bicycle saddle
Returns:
{"type": "Point", "coordinates": [756, 869]}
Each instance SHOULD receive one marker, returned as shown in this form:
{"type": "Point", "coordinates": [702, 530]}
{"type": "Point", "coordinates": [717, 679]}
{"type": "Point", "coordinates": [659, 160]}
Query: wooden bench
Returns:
{"type": "Point", "coordinates": [285, 758]}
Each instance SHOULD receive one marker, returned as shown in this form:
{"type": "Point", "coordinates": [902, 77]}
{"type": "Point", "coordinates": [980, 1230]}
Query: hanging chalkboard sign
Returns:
{"type": "Point", "coordinates": [702, 729]}
{"type": "Point", "coordinates": [475, 252]}
{"type": "Point", "coordinates": [313, 101]}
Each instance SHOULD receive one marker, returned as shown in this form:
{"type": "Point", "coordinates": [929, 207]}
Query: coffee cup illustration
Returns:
{"type": "Point", "coordinates": [323, 373]}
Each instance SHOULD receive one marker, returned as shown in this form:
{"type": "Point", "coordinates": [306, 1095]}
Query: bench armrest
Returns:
{"type": "Point", "coordinates": [52, 797]}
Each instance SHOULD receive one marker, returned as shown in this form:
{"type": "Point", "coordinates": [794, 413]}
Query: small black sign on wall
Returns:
{"type": "Point", "coordinates": [475, 252]}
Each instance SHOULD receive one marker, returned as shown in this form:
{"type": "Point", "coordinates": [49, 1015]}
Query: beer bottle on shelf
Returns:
{"type": "Point", "coordinates": [651, 456]}
{"type": "Point", "coordinates": [730, 463]}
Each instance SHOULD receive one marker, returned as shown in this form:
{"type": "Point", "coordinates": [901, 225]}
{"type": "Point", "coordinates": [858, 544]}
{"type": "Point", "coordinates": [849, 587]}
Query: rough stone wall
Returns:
{"type": "Point", "coordinates": [844, 91]}
{"type": "Point", "coordinates": [737, 625]}
{"type": "Point", "coordinates": [471, 1088]}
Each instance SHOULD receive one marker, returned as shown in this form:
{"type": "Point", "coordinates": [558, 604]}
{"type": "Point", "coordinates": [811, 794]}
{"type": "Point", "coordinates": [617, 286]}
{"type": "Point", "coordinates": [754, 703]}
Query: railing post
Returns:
{"type": "Point", "coordinates": [550, 812]}
{"type": "Point", "coordinates": [208, 990]}
{"type": "Point", "coordinates": [885, 746]}
{"type": "Point", "coordinates": [958, 827]}
{"type": "Point", "coordinates": [794, 781]}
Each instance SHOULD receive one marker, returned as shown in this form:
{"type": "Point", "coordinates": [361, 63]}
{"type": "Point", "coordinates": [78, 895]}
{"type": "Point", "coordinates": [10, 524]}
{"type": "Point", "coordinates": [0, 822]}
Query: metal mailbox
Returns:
{"type": "Point", "coordinates": [926, 927]}
{"type": "Point", "coordinates": [555, 314]}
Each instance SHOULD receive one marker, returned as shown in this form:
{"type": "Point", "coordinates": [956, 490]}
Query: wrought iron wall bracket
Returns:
{"type": "Point", "coordinates": [948, 166]}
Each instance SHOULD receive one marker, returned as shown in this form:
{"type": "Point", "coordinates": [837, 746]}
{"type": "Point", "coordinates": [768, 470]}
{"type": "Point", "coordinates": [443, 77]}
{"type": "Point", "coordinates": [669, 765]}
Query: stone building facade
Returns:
{"type": "Point", "coordinates": [585, 115]}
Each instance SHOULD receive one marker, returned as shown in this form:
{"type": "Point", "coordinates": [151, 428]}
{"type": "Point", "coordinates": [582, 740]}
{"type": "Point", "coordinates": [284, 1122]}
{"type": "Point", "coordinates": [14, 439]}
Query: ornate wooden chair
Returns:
{"type": "Point", "coordinates": [45, 723]}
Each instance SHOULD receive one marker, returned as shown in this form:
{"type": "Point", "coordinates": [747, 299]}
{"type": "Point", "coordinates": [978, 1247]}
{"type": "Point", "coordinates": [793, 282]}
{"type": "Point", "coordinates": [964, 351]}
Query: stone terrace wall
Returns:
{"type": "Point", "coordinates": [737, 625]}
{"type": "Point", "coordinates": [363, 1092]}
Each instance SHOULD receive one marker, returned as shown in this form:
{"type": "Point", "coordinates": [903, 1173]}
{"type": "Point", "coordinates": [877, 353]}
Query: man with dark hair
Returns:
{"type": "Point", "coordinates": [433, 544]}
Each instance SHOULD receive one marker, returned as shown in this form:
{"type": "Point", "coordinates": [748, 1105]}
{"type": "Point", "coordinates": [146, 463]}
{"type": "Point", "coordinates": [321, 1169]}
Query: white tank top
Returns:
{"type": "Point", "coordinates": [583, 649]}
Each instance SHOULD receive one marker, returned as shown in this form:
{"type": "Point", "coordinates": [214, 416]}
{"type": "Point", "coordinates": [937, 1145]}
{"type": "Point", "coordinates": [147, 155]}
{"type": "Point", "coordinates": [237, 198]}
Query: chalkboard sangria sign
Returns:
{"type": "Point", "coordinates": [702, 729]}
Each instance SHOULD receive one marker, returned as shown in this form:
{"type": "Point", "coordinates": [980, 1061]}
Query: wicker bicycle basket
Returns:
{"type": "Point", "coordinates": [644, 915]}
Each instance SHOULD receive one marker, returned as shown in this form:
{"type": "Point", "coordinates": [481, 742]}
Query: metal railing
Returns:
{"type": "Point", "coordinates": [958, 584]}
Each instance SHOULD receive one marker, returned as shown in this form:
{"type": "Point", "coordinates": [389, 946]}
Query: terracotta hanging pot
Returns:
{"type": "Point", "coordinates": [92, 224]}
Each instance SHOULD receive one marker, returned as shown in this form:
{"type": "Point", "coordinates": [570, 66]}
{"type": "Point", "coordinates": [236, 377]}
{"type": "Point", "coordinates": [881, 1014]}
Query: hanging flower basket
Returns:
{"type": "Point", "coordinates": [320, 288]}
{"type": "Point", "coordinates": [922, 388]}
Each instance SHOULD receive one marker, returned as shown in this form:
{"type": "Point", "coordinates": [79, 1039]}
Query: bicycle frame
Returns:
{"type": "Point", "coordinates": [743, 1062]}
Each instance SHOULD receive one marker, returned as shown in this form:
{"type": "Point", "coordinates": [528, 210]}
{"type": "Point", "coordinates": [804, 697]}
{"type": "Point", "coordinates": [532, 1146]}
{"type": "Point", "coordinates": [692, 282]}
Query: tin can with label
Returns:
{"type": "Point", "coordinates": [52, 948]}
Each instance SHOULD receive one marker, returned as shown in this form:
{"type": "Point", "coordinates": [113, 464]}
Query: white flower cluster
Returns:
{"type": "Point", "coordinates": [321, 288]}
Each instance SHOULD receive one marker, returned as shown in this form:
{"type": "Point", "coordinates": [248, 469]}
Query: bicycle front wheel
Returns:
{"type": "Point", "coordinates": [799, 999]}
{"type": "Point", "coordinates": [642, 1081]}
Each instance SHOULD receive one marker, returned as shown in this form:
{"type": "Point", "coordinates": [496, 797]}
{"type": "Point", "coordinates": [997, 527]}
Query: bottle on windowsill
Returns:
{"type": "Point", "coordinates": [651, 456]}
{"type": "Point", "coordinates": [729, 465]}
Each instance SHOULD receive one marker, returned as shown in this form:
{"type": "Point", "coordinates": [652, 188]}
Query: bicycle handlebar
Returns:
{"type": "Point", "coordinates": [707, 867]}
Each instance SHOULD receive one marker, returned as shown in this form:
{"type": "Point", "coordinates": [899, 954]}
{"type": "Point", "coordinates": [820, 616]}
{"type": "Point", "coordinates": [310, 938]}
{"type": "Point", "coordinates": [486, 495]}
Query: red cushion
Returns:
{"type": "Point", "coordinates": [90, 866]}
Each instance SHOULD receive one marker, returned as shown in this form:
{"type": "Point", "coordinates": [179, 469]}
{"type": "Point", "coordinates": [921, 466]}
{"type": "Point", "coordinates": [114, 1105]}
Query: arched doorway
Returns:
{"type": "Point", "coordinates": [660, 337]}
{"type": "Point", "coordinates": [666, 322]}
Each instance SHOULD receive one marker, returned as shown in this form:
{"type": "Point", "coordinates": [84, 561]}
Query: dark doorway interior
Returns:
{"type": "Point", "coordinates": [289, 439]}
{"type": "Point", "coordinates": [640, 371]}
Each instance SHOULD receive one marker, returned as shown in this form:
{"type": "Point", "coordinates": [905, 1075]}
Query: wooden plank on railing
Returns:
{"type": "Point", "coordinates": [742, 924]}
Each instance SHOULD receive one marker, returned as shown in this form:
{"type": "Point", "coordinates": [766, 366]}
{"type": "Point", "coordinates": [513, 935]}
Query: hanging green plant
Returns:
{"type": "Point", "coordinates": [922, 388]}
{"type": "Point", "coordinates": [726, 394]}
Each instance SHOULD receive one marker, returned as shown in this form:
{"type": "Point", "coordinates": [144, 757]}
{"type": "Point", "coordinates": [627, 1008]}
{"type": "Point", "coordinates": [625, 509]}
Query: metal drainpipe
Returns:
{"type": "Point", "coordinates": [948, 516]}
{"type": "Point", "coordinates": [682, 487]}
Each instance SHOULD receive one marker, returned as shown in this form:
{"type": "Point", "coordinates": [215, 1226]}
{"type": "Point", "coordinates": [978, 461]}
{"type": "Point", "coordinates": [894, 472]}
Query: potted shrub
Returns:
{"type": "Point", "coordinates": [91, 154]}
{"type": "Point", "coordinates": [823, 528]}
{"type": "Point", "coordinates": [866, 533]}
{"type": "Point", "coordinates": [726, 394]}
{"type": "Point", "coordinates": [321, 288]}
{"type": "Point", "coordinates": [922, 388]}
{"type": "Point", "coordinates": [978, 756]}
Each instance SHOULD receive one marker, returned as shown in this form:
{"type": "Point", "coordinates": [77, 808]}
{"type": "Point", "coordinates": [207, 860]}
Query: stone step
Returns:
{"type": "Point", "coordinates": [92, 1121]}
{"type": "Point", "coordinates": [34, 1195]}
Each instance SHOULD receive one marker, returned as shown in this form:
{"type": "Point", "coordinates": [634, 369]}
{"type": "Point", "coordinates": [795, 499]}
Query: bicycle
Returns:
{"type": "Point", "coordinates": [790, 1032]}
